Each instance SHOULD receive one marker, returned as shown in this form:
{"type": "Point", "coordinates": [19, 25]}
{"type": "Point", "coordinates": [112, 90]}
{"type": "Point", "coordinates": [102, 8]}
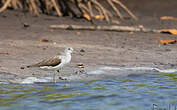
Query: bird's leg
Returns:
{"type": "Point", "coordinates": [54, 75]}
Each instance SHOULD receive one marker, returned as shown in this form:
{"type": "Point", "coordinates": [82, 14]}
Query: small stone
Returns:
{"type": "Point", "coordinates": [44, 48]}
{"type": "Point", "coordinates": [76, 72]}
{"type": "Point", "coordinates": [62, 78]}
{"type": "Point", "coordinates": [80, 65]}
{"type": "Point", "coordinates": [173, 65]}
{"type": "Point", "coordinates": [82, 50]}
{"type": "Point", "coordinates": [26, 25]}
{"type": "Point", "coordinates": [22, 67]}
{"type": "Point", "coordinates": [83, 72]}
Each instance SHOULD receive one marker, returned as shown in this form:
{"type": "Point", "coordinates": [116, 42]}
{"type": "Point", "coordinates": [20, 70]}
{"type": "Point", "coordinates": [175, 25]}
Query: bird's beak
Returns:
{"type": "Point", "coordinates": [77, 52]}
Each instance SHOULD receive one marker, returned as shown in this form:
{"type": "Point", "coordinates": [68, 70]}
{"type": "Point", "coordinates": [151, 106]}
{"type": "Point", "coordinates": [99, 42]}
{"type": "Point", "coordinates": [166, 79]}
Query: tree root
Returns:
{"type": "Point", "coordinates": [92, 8]}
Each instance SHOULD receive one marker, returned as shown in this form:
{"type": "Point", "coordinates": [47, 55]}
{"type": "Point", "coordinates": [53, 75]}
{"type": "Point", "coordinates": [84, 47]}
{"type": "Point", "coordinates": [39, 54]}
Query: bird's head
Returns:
{"type": "Point", "coordinates": [69, 50]}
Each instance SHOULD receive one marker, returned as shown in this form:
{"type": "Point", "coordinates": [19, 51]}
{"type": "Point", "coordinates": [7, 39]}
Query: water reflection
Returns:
{"type": "Point", "coordinates": [123, 93]}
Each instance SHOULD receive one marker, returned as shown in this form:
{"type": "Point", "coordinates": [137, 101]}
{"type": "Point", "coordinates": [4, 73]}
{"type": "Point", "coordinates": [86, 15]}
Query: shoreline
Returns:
{"type": "Point", "coordinates": [21, 46]}
{"type": "Point", "coordinates": [104, 72]}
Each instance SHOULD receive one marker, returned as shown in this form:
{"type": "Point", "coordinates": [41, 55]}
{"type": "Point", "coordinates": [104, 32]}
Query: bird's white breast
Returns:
{"type": "Point", "coordinates": [66, 59]}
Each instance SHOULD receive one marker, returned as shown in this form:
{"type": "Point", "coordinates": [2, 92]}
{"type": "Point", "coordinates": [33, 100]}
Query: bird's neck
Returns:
{"type": "Point", "coordinates": [68, 57]}
{"type": "Point", "coordinates": [68, 54]}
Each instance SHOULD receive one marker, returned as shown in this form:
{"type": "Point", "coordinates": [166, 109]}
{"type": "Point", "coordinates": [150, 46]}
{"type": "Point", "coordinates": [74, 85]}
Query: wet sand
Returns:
{"type": "Point", "coordinates": [20, 46]}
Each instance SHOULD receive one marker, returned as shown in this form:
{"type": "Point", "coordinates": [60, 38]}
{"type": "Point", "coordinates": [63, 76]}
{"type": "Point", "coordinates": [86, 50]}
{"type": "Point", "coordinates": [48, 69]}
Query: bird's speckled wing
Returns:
{"type": "Point", "coordinates": [48, 62]}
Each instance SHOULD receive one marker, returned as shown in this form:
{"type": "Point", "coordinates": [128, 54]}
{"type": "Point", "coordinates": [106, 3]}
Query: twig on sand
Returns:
{"type": "Point", "coordinates": [104, 28]}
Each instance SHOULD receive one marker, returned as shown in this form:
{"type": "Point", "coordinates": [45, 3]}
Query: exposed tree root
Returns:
{"type": "Point", "coordinates": [94, 9]}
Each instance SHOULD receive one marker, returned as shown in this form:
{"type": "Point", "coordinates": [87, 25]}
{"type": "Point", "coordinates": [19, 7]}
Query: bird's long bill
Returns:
{"type": "Point", "coordinates": [77, 52]}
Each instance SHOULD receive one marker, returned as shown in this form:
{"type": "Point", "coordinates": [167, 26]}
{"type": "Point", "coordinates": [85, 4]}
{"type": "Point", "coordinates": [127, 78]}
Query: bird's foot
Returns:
{"type": "Point", "coordinates": [62, 78]}
{"type": "Point", "coordinates": [81, 72]}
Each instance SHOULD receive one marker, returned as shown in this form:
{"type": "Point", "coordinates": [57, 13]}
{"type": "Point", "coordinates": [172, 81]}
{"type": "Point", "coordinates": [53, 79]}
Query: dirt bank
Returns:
{"type": "Point", "coordinates": [21, 46]}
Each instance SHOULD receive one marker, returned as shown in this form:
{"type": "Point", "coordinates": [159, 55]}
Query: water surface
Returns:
{"type": "Point", "coordinates": [133, 92]}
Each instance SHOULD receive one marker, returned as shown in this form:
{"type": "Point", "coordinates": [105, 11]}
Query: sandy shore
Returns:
{"type": "Point", "coordinates": [20, 46]}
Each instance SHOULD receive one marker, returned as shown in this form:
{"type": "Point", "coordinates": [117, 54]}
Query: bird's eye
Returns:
{"type": "Point", "coordinates": [69, 49]}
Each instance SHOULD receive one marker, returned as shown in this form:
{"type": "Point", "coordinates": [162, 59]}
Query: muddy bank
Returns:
{"type": "Point", "coordinates": [21, 46]}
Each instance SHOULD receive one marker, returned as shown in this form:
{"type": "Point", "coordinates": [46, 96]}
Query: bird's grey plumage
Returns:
{"type": "Point", "coordinates": [47, 62]}
{"type": "Point", "coordinates": [56, 62]}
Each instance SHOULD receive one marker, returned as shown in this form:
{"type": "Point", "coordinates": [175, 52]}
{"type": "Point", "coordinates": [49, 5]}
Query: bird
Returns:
{"type": "Point", "coordinates": [55, 63]}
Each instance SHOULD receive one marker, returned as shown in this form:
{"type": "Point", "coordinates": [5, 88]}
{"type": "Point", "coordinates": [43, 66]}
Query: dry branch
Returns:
{"type": "Point", "coordinates": [126, 9]}
{"type": "Point", "coordinates": [33, 7]}
{"type": "Point", "coordinates": [56, 8]}
{"type": "Point", "coordinates": [4, 7]}
{"type": "Point", "coordinates": [115, 9]}
{"type": "Point", "coordinates": [104, 28]}
{"type": "Point", "coordinates": [102, 9]}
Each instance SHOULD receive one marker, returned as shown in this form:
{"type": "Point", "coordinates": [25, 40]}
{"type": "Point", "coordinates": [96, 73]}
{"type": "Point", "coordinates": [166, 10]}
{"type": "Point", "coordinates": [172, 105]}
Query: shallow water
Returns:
{"type": "Point", "coordinates": [133, 92]}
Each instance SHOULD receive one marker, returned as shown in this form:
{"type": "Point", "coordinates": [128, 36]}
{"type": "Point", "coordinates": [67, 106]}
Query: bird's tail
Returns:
{"type": "Point", "coordinates": [29, 66]}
